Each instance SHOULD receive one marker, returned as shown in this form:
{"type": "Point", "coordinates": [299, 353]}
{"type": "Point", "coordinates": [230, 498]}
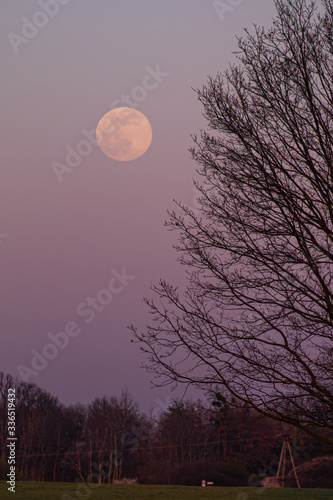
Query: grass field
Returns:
{"type": "Point", "coordinates": [69, 491]}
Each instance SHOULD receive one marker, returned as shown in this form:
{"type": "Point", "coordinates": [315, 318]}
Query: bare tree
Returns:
{"type": "Point", "coordinates": [257, 314]}
{"type": "Point", "coordinates": [111, 423]}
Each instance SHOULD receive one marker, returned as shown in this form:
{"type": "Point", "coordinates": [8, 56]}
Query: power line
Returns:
{"type": "Point", "coordinates": [134, 448]}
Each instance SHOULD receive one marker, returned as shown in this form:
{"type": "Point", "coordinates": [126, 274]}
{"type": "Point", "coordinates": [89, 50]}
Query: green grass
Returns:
{"type": "Point", "coordinates": [54, 491]}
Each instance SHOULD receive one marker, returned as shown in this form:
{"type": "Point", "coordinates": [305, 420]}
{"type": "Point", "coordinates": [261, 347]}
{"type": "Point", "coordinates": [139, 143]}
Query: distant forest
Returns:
{"type": "Point", "coordinates": [110, 439]}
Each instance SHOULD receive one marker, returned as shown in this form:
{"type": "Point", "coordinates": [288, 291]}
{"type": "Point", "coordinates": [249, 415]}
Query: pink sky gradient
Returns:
{"type": "Point", "coordinates": [65, 238]}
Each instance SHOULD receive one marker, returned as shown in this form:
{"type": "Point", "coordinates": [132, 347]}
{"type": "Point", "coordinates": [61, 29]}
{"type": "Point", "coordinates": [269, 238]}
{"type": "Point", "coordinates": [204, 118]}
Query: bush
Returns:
{"type": "Point", "coordinates": [316, 473]}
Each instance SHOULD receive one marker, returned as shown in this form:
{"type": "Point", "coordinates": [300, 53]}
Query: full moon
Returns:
{"type": "Point", "coordinates": [124, 134]}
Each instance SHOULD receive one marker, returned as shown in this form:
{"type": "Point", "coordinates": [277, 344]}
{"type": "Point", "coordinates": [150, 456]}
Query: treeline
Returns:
{"type": "Point", "coordinates": [110, 439]}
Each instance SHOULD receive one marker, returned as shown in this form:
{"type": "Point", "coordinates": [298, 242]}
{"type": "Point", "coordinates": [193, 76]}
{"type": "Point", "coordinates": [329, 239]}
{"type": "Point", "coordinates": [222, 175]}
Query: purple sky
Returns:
{"type": "Point", "coordinates": [61, 241]}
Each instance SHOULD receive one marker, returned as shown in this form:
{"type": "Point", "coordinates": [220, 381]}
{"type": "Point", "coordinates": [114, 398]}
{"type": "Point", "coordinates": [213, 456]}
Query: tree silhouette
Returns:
{"type": "Point", "coordinates": [257, 314]}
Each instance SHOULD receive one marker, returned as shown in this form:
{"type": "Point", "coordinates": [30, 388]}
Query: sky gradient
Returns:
{"type": "Point", "coordinates": [73, 220]}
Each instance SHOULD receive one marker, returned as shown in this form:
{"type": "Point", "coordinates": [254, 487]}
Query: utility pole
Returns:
{"type": "Point", "coordinates": [282, 462]}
